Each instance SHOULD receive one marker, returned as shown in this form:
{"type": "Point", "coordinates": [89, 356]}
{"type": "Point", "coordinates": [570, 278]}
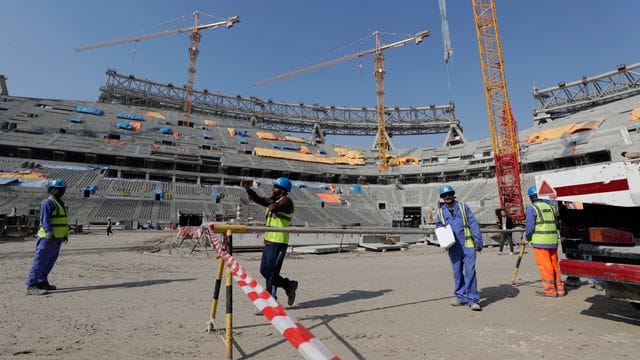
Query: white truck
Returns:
{"type": "Point", "coordinates": [599, 217]}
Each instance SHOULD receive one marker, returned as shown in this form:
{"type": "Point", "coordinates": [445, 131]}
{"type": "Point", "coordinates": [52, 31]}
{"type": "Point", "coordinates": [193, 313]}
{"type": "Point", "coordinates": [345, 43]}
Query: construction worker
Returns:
{"type": "Point", "coordinates": [109, 225]}
{"type": "Point", "coordinates": [54, 230]}
{"type": "Point", "coordinates": [463, 252]}
{"type": "Point", "coordinates": [541, 231]}
{"type": "Point", "coordinates": [505, 223]}
{"type": "Point", "coordinates": [279, 213]}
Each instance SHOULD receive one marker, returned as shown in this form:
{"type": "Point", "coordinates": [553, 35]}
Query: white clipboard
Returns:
{"type": "Point", "coordinates": [445, 237]}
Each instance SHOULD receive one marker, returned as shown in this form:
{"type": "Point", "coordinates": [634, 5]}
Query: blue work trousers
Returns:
{"type": "Point", "coordinates": [46, 256]}
{"type": "Point", "coordinates": [270, 265]}
{"type": "Point", "coordinates": [463, 262]}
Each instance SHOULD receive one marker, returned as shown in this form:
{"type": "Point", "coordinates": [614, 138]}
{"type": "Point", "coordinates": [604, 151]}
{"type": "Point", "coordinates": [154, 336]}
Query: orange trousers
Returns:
{"type": "Point", "coordinates": [547, 261]}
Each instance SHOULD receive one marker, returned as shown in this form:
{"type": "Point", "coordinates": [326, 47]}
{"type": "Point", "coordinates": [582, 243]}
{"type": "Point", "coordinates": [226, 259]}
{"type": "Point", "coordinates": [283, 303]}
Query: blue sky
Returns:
{"type": "Point", "coordinates": [544, 42]}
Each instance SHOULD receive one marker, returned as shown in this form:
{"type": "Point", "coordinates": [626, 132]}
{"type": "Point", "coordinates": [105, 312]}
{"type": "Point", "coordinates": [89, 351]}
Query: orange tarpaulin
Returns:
{"type": "Point", "coordinates": [330, 198]}
{"type": "Point", "coordinates": [305, 150]}
{"type": "Point", "coordinates": [155, 115]}
{"type": "Point", "coordinates": [354, 155]}
{"type": "Point", "coordinates": [294, 139]}
{"type": "Point", "coordinates": [231, 131]}
{"type": "Point", "coordinates": [210, 122]}
{"type": "Point", "coordinates": [341, 151]}
{"type": "Point", "coordinates": [280, 154]}
{"type": "Point", "coordinates": [26, 175]}
{"type": "Point", "coordinates": [135, 125]}
{"type": "Point", "coordinates": [587, 125]}
{"type": "Point", "coordinates": [635, 114]}
{"type": "Point", "coordinates": [266, 136]}
{"type": "Point", "coordinates": [409, 160]}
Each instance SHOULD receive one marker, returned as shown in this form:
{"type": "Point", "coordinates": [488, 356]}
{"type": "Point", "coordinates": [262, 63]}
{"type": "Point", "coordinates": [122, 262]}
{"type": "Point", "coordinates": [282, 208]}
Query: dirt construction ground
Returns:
{"type": "Point", "coordinates": [117, 301]}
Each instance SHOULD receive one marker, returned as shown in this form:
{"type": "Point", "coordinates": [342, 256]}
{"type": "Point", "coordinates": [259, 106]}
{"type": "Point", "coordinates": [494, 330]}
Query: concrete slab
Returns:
{"type": "Point", "coordinates": [384, 247]}
{"type": "Point", "coordinates": [322, 249]}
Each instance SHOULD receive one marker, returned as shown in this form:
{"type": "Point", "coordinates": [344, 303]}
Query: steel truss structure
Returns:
{"type": "Point", "coordinates": [269, 114]}
{"type": "Point", "coordinates": [567, 98]}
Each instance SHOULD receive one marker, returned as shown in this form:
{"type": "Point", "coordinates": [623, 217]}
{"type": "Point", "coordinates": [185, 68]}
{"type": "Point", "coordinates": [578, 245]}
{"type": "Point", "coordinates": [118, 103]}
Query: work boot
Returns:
{"type": "Point", "coordinates": [544, 294]}
{"type": "Point", "coordinates": [291, 292]}
{"type": "Point", "coordinates": [35, 290]}
{"type": "Point", "coordinates": [598, 286]}
{"type": "Point", "coordinates": [475, 307]}
{"type": "Point", "coordinates": [45, 285]}
{"type": "Point", "coordinates": [457, 302]}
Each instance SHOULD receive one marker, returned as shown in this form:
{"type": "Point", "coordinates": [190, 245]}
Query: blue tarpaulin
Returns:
{"type": "Point", "coordinates": [92, 111]}
{"type": "Point", "coordinates": [75, 119]}
{"type": "Point", "coordinates": [275, 146]}
{"type": "Point", "coordinates": [91, 188]}
{"type": "Point", "coordinates": [301, 185]}
{"type": "Point", "coordinates": [242, 133]}
{"type": "Point", "coordinates": [207, 136]}
{"type": "Point", "coordinates": [322, 151]}
{"type": "Point", "coordinates": [124, 125]}
{"type": "Point", "coordinates": [166, 130]}
{"type": "Point", "coordinates": [8, 181]}
{"type": "Point", "coordinates": [216, 194]}
{"type": "Point", "coordinates": [130, 117]}
{"type": "Point", "coordinates": [290, 147]}
{"type": "Point", "coordinates": [243, 140]}
{"type": "Point", "coordinates": [355, 188]}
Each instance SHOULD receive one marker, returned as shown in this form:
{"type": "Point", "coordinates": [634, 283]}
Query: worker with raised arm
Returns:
{"type": "Point", "coordinates": [279, 213]}
{"type": "Point", "coordinates": [463, 252]}
{"type": "Point", "coordinates": [54, 230]}
{"type": "Point", "coordinates": [541, 231]}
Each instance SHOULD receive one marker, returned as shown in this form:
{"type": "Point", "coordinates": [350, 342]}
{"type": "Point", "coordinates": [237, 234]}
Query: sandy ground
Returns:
{"type": "Point", "coordinates": [117, 302]}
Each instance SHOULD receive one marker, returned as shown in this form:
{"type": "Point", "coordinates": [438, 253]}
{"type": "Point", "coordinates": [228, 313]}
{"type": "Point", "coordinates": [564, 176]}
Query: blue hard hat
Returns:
{"type": "Point", "coordinates": [58, 184]}
{"type": "Point", "coordinates": [532, 191]}
{"type": "Point", "coordinates": [284, 183]}
{"type": "Point", "coordinates": [444, 189]}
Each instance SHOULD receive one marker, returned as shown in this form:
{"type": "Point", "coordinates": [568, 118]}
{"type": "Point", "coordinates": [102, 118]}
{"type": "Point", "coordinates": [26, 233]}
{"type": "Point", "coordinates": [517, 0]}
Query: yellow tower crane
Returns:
{"type": "Point", "coordinates": [194, 50]}
{"type": "Point", "coordinates": [382, 143]}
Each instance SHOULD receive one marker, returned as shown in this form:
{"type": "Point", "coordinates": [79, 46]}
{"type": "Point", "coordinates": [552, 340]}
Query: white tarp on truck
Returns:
{"type": "Point", "coordinates": [616, 184]}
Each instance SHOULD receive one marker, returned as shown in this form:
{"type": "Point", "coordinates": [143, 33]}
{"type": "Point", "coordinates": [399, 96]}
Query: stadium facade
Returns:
{"type": "Point", "coordinates": [129, 156]}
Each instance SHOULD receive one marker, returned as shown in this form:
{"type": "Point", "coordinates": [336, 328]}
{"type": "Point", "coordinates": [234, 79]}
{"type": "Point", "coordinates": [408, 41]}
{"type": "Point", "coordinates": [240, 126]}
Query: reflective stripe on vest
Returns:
{"type": "Point", "coordinates": [59, 222]}
{"type": "Point", "coordinates": [545, 231]}
{"type": "Point", "coordinates": [468, 238]}
{"type": "Point", "coordinates": [278, 220]}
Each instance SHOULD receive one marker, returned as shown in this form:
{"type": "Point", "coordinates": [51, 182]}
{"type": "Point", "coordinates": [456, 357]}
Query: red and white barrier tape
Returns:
{"type": "Point", "coordinates": [302, 339]}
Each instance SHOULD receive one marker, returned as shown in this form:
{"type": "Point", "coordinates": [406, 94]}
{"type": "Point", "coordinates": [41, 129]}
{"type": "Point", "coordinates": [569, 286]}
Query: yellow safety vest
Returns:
{"type": "Point", "coordinates": [545, 231]}
{"type": "Point", "coordinates": [468, 238]}
{"type": "Point", "coordinates": [59, 222]}
{"type": "Point", "coordinates": [278, 220]}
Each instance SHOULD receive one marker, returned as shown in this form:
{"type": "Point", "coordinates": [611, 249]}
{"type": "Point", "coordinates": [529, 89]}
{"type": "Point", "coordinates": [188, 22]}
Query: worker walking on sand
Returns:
{"type": "Point", "coordinates": [54, 230]}
{"type": "Point", "coordinates": [109, 225]}
{"type": "Point", "coordinates": [279, 213]}
{"type": "Point", "coordinates": [541, 231]}
{"type": "Point", "coordinates": [463, 252]}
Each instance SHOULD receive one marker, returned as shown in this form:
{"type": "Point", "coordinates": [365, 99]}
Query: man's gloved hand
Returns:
{"type": "Point", "coordinates": [478, 248]}
{"type": "Point", "coordinates": [65, 239]}
{"type": "Point", "coordinates": [50, 238]}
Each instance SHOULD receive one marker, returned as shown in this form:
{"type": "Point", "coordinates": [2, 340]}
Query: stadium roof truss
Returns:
{"type": "Point", "coordinates": [269, 114]}
{"type": "Point", "coordinates": [568, 98]}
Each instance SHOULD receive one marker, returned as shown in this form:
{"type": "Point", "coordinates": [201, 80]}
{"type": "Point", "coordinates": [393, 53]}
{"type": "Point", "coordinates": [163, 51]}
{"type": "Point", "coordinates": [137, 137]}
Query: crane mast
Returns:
{"type": "Point", "coordinates": [194, 50]}
{"type": "Point", "coordinates": [503, 127]}
{"type": "Point", "coordinates": [382, 139]}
